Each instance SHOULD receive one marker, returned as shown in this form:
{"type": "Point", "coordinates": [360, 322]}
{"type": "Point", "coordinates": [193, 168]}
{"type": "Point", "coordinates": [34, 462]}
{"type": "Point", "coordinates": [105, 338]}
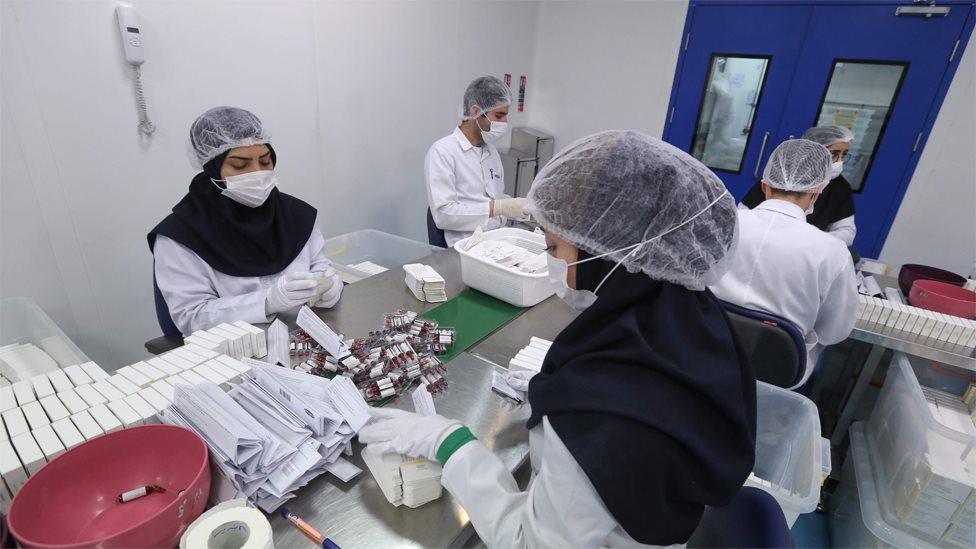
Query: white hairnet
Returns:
{"type": "Point", "coordinates": [487, 93]}
{"type": "Point", "coordinates": [798, 165]}
{"type": "Point", "coordinates": [828, 135]}
{"type": "Point", "coordinates": [613, 190]}
{"type": "Point", "coordinates": [221, 129]}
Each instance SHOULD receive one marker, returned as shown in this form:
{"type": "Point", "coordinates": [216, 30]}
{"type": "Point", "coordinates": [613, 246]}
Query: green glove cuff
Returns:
{"type": "Point", "coordinates": [461, 436]}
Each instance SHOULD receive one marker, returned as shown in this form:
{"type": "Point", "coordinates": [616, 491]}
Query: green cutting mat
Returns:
{"type": "Point", "coordinates": [474, 316]}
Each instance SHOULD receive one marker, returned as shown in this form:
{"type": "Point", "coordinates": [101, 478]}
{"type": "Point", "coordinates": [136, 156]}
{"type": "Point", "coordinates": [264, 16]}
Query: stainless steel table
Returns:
{"type": "Point", "coordinates": [880, 342]}
{"type": "Point", "coordinates": [355, 514]}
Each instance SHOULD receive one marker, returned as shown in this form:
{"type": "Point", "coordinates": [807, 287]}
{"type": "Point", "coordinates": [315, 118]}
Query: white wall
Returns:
{"type": "Point", "coordinates": [936, 223]}
{"type": "Point", "coordinates": [353, 93]}
{"type": "Point", "coordinates": [604, 65]}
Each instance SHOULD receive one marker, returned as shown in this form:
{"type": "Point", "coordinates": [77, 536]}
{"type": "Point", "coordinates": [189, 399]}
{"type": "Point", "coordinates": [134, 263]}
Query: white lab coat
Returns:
{"type": "Point", "coordinates": [843, 229]}
{"type": "Point", "coordinates": [560, 508]}
{"type": "Point", "coordinates": [199, 297]}
{"type": "Point", "coordinates": [461, 182]}
{"type": "Point", "coordinates": [787, 267]}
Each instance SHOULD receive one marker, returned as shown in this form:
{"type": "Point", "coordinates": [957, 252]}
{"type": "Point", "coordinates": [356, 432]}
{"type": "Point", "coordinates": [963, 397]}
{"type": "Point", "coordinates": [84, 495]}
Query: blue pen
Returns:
{"type": "Point", "coordinates": [306, 528]}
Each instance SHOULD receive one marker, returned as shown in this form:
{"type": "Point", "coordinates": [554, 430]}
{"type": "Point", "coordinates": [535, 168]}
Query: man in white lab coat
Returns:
{"type": "Point", "coordinates": [465, 179]}
{"type": "Point", "coordinates": [784, 265]}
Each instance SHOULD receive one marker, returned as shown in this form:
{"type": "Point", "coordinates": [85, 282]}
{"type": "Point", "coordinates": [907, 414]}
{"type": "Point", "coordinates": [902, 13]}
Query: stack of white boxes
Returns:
{"type": "Point", "coordinates": [938, 330]}
{"type": "Point", "coordinates": [239, 340]}
{"type": "Point", "coordinates": [530, 358]}
{"type": "Point", "coordinates": [56, 411]}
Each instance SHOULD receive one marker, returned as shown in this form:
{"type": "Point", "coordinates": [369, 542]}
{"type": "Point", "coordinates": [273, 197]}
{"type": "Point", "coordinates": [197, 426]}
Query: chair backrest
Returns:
{"type": "Point", "coordinates": [774, 345]}
{"type": "Point", "coordinates": [752, 519]}
{"type": "Point", "coordinates": [435, 236]}
{"type": "Point", "coordinates": [162, 313]}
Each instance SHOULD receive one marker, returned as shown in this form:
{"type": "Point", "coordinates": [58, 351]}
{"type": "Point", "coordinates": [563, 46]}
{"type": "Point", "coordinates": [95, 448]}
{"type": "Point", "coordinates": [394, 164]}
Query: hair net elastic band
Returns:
{"type": "Point", "coordinates": [636, 247]}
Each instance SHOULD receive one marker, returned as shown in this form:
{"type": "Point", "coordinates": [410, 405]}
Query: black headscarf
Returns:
{"type": "Point", "coordinates": [836, 202]}
{"type": "Point", "coordinates": [235, 239]}
{"type": "Point", "coordinates": [652, 395]}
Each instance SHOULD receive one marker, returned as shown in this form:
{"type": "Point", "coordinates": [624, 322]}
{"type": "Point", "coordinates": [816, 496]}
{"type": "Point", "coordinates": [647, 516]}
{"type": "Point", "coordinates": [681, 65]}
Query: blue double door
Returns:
{"type": "Point", "coordinates": [752, 74]}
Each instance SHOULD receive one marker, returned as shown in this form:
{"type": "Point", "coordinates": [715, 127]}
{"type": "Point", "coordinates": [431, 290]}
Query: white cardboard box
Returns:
{"type": "Point", "coordinates": [123, 384]}
{"type": "Point", "coordinates": [154, 398]}
{"type": "Point", "coordinates": [42, 386]}
{"type": "Point", "coordinates": [90, 395]}
{"type": "Point", "coordinates": [7, 399]}
{"type": "Point", "coordinates": [233, 363]}
{"type": "Point", "coordinates": [164, 388]}
{"type": "Point", "coordinates": [94, 371]}
{"type": "Point", "coordinates": [54, 408]}
{"type": "Point", "coordinates": [72, 401]}
{"type": "Point", "coordinates": [59, 380]}
{"type": "Point", "coordinates": [15, 421]}
{"type": "Point", "coordinates": [150, 371]}
{"type": "Point", "coordinates": [124, 413]}
{"type": "Point", "coordinates": [77, 375]}
{"type": "Point", "coordinates": [67, 433]}
{"type": "Point", "coordinates": [201, 351]}
{"type": "Point", "coordinates": [48, 442]}
{"type": "Point", "coordinates": [86, 425]}
{"type": "Point", "coordinates": [210, 375]}
{"type": "Point", "coordinates": [11, 469]}
{"type": "Point", "coordinates": [146, 411]}
{"type": "Point", "coordinates": [24, 392]}
{"type": "Point", "coordinates": [163, 366]}
{"type": "Point", "coordinates": [259, 341]}
{"type": "Point", "coordinates": [134, 376]}
{"type": "Point", "coordinates": [28, 451]}
{"type": "Point", "coordinates": [105, 418]}
{"type": "Point", "coordinates": [108, 390]}
{"type": "Point", "coordinates": [175, 360]}
{"type": "Point", "coordinates": [235, 347]}
{"type": "Point", "coordinates": [34, 413]}
{"type": "Point", "coordinates": [243, 336]}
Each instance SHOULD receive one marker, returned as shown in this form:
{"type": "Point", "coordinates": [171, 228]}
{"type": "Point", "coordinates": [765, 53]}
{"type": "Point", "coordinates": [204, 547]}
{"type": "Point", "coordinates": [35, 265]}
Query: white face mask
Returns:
{"type": "Point", "coordinates": [250, 189]}
{"type": "Point", "coordinates": [836, 168]}
{"type": "Point", "coordinates": [581, 299]}
{"type": "Point", "coordinates": [497, 130]}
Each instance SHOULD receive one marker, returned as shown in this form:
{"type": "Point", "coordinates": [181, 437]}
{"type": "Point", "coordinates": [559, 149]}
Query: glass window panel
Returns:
{"type": "Point", "coordinates": [732, 93]}
{"type": "Point", "coordinates": [859, 96]}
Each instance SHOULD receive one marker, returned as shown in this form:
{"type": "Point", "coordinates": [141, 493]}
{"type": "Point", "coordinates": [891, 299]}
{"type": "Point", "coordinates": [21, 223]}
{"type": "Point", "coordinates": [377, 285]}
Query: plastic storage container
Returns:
{"type": "Point", "coordinates": [509, 285]}
{"type": "Point", "coordinates": [788, 450]}
{"type": "Point", "coordinates": [384, 249]}
{"type": "Point", "coordinates": [22, 321]}
{"type": "Point", "coordinates": [907, 446]}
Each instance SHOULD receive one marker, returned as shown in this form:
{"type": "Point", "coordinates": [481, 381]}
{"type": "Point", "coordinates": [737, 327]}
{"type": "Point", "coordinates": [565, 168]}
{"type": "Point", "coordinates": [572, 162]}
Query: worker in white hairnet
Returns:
{"type": "Point", "coordinates": [644, 411]}
{"type": "Point", "coordinates": [833, 212]}
{"type": "Point", "coordinates": [464, 174]}
{"type": "Point", "coordinates": [235, 247]}
{"type": "Point", "coordinates": [784, 265]}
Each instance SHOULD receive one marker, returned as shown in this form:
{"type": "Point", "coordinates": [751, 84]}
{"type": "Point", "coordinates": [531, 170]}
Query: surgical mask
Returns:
{"type": "Point", "coordinates": [250, 189]}
{"type": "Point", "coordinates": [581, 299]}
{"type": "Point", "coordinates": [836, 168]}
{"type": "Point", "coordinates": [497, 130]}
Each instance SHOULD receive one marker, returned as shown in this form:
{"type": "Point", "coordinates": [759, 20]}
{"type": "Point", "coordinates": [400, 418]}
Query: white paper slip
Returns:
{"type": "Point", "coordinates": [163, 366]}
{"type": "Point", "coordinates": [105, 418]}
{"type": "Point", "coordinates": [54, 408]}
{"type": "Point", "coordinates": [72, 401]}
{"type": "Point", "coordinates": [150, 371]}
{"type": "Point", "coordinates": [59, 380]}
{"type": "Point", "coordinates": [423, 402]}
{"type": "Point", "coordinates": [42, 386]}
{"type": "Point", "coordinates": [349, 402]}
{"type": "Point", "coordinates": [7, 399]}
{"type": "Point", "coordinates": [123, 384]}
{"type": "Point", "coordinates": [86, 425]}
{"type": "Point", "coordinates": [134, 376]}
{"type": "Point", "coordinates": [48, 442]}
{"type": "Point", "coordinates": [125, 414]}
{"type": "Point", "coordinates": [94, 371]}
{"type": "Point", "coordinates": [108, 390]}
{"type": "Point", "coordinates": [343, 469]}
{"type": "Point", "coordinates": [15, 421]}
{"type": "Point", "coordinates": [154, 398]}
{"type": "Point", "coordinates": [77, 375]}
{"type": "Point", "coordinates": [24, 392]}
{"type": "Point", "coordinates": [279, 344]}
{"type": "Point", "coordinates": [501, 386]}
{"type": "Point", "coordinates": [29, 452]}
{"type": "Point", "coordinates": [67, 433]}
{"type": "Point", "coordinates": [320, 332]}
{"type": "Point", "coordinates": [34, 413]}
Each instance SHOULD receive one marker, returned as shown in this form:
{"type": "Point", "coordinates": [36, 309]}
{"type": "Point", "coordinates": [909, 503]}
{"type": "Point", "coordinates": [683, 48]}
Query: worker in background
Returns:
{"type": "Point", "coordinates": [465, 179]}
{"type": "Point", "coordinates": [645, 409]}
{"type": "Point", "coordinates": [834, 210]}
{"type": "Point", "coordinates": [235, 247]}
{"type": "Point", "coordinates": [784, 265]}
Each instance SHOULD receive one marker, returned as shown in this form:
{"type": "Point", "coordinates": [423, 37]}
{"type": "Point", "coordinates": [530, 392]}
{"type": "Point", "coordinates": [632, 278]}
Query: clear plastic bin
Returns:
{"type": "Point", "coordinates": [384, 249]}
{"type": "Point", "coordinates": [22, 321]}
{"type": "Point", "coordinates": [788, 450]}
{"type": "Point", "coordinates": [906, 445]}
{"type": "Point", "coordinates": [507, 284]}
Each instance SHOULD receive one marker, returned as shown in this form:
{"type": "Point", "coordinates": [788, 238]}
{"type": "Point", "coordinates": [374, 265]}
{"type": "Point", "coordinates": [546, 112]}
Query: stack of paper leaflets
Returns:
{"type": "Point", "coordinates": [424, 282]}
{"type": "Point", "coordinates": [404, 480]}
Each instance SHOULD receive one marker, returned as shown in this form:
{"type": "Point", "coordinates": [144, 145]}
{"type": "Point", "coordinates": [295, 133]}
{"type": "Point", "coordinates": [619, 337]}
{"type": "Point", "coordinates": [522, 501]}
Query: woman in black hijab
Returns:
{"type": "Point", "coordinates": [833, 212]}
{"type": "Point", "coordinates": [645, 409]}
{"type": "Point", "coordinates": [235, 247]}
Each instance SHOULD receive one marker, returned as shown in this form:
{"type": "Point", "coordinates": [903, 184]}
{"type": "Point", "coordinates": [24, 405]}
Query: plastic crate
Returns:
{"type": "Point", "coordinates": [384, 249]}
{"type": "Point", "coordinates": [509, 285]}
{"type": "Point", "coordinates": [22, 321]}
{"type": "Point", "coordinates": [788, 450]}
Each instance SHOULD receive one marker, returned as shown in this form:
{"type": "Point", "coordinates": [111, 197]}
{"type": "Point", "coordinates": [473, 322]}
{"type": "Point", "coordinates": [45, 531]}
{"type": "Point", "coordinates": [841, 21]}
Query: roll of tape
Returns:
{"type": "Point", "coordinates": [230, 525]}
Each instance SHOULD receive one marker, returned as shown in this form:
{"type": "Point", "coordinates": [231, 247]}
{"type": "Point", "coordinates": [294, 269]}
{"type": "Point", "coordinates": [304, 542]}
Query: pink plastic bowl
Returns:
{"type": "Point", "coordinates": [73, 501]}
{"type": "Point", "coordinates": [911, 272]}
{"type": "Point", "coordinates": [943, 298]}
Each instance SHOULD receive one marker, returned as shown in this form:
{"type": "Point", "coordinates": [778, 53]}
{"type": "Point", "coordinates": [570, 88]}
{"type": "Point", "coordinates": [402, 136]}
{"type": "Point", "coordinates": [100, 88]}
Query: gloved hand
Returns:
{"type": "Point", "coordinates": [406, 433]}
{"type": "Point", "coordinates": [509, 207]}
{"type": "Point", "coordinates": [324, 283]}
{"type": "Point", "coordinates": [519, 380]}
{"type": "Point", "coordinates": [289, 292]}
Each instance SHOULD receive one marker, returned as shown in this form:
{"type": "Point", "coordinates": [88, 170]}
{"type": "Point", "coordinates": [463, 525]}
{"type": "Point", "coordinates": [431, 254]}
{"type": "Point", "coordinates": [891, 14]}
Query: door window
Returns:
{"type": "Point", "coordinates": [860, 96]}
{"type": "Point", "coordinates": [731, 97]}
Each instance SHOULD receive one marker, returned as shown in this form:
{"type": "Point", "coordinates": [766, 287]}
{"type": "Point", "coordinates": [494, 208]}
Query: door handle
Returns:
{"type": "Point", "coordinates": [762, 149]}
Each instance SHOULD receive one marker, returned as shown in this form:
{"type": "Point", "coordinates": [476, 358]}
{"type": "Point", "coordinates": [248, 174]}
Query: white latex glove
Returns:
{"type": "Point", "coordinates": [289, 292]}
{"type": "Point", "coordinates": [406, 433]}
{"type": "Point", "coordinates": [510, 207]}
{"type": "Point", "coordinates": [519, 380]}
{"type": "Point", "coordinates": [324, 283]}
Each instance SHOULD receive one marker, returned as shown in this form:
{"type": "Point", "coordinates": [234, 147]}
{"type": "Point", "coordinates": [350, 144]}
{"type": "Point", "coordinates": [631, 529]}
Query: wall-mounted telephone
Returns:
{"type": "Point", "coordinates": [132, 46]}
